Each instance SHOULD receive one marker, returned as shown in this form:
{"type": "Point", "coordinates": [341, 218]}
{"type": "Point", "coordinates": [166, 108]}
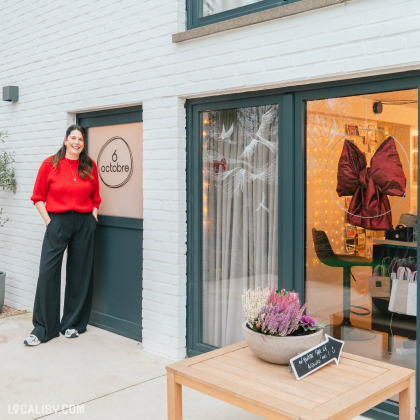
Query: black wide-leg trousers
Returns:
{"type": "Point", "coordinates": [76, 232]}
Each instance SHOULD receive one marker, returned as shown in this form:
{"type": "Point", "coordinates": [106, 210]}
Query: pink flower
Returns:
{"type": "Point", "coordinates": [307, 321]}
{"type": "Point", "coordinates": [281, 318]}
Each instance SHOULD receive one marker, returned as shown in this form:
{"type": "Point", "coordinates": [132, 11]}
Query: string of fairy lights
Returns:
{"type": "Point", "coordinates": [322, 212]}
{"type": "Point", "coordinates": [206, 221]}
{"type": "Point", "coordinates": [323, 132]}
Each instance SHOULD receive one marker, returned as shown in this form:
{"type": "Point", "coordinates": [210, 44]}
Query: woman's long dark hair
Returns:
{"type": "Point", "coordinates": [85, 163]}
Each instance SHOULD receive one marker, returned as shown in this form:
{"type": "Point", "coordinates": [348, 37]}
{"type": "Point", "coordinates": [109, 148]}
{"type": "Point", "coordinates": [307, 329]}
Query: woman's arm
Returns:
{"type": "Point", "coordinates": [96, 198]}
{"type": "Point", "coordinates": [40, 206]}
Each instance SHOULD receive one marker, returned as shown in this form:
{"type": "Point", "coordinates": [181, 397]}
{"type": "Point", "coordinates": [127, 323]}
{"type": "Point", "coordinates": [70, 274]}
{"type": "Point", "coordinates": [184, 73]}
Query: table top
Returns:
{"type": "Point", "coordinates": [399, 244]}
{"type": "Point", "coordinates": [234, 374]}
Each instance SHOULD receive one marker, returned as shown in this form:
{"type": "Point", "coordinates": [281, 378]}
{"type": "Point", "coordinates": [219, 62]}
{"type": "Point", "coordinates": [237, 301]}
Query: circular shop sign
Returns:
{"type": "Point", "coordinates": [115, 162]}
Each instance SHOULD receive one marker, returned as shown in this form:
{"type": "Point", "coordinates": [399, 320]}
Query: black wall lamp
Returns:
{"type": "Point", "coordinates": [11, 93]}
{"type": "Point", "coordinates": [378, 107]}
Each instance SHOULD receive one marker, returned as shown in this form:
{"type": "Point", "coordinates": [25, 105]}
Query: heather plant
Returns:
{"type": "Point", "coordinates": [276, 321]}
{"type": "Point", "coordinates": [283, 299]}
{"type": "Point", "coordinates": [253, 300]}
{"type": "Point", "coordinates": [277, 313]}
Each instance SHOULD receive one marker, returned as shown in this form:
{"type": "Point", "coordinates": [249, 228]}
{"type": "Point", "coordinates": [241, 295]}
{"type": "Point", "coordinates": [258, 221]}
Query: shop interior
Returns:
{"type": "Point", "coordinates": [352, 260]}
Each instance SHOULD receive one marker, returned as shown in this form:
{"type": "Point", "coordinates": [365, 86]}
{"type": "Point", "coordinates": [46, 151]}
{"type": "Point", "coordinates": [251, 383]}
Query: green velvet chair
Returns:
{"type": "Point", "coordinates": [328, 257]}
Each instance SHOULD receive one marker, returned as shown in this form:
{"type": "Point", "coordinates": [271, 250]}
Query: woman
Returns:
{"type": "Point", "coordinates": [66, 194]}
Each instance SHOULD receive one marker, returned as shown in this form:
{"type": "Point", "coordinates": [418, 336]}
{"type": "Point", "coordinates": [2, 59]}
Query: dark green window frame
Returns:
{"type": "Point", "coordinates": [292, 241]}
{"type": "Point", "coordinates": [194, 211]}
{"type": "Point", "coordinates": [195, 9]}
{"type": "Point", "coordinates": [111, 116]}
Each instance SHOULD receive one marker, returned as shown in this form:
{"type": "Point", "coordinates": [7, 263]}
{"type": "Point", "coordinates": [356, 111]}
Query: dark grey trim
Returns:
{"type": "Point", "coordinates": [299, 175]}
{"type": "Point", "coordinates": [224, 101]}
{"type": "Point", "coordinates": [286, 194]}
{"type": "Point", "coordinates": [119, 326]}
{"type": "Point", "coordinates": [121, 222]}
{"type": "Point", "coordinates": [111, 116]}
{"type": "Point", "coordinates": [193, 235]}
{"type": "Point", "coordinates": [197, 30]}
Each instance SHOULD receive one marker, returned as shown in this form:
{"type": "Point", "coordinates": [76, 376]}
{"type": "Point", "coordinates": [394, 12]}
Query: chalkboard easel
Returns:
{"type": "Point", "coordinates": [316, 357]}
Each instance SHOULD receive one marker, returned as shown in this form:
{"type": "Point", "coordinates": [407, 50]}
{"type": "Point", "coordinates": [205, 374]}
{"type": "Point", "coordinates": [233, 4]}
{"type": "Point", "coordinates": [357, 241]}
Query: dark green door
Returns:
{"type": "Point", "coordinates": [115, 143]}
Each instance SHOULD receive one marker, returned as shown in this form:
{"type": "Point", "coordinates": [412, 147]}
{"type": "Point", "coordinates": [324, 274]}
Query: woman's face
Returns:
{"type": "Point", "coordinates": [74, 144]}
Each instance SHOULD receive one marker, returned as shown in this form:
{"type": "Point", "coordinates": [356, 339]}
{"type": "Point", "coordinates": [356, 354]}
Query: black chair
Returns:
{"type": "Point", "coordinates": [328, 257]}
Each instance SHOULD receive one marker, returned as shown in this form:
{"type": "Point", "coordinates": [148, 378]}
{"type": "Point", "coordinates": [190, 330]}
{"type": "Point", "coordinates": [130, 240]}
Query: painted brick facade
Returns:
{"type": "Point", "coordinates": [84, 55]}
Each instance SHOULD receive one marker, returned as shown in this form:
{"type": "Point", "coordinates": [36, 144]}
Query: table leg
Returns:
{"type": "Point", "coordinates": [407, 402]}
{"type": "Point", "coordinates": [385, 345]}
{"type": "Point", "coordinates": [390, 344]}
{"type": "Point", "coordinates": [174, 398]}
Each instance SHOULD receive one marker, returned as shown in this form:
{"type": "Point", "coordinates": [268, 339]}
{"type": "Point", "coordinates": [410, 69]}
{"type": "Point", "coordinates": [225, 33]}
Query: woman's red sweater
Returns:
{"type": "Point", "coordinates": [59, 190]}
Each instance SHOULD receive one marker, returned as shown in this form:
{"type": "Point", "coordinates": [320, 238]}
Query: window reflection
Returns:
{"type": "Point", "coordinates": [240, 208]}
{"type": "Point", "coordinates": [346, 286]}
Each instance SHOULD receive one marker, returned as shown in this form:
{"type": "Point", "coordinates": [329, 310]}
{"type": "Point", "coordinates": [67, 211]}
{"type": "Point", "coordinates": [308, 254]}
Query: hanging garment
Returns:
{"type": "Point", "coordinates": [369, 207]}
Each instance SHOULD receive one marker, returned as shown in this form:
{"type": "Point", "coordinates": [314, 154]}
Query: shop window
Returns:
{"type": "Point", "coordinates": [271, 184]}
{"type": "Point", "coordinates": [361, 176]}
{"type": "Point", "coordinates": [205, 12]}
{"type": "Point", "coordinates": [239, 214]}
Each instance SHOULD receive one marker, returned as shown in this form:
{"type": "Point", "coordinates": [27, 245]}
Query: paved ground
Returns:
{"type": "Point", "coordinates": [105, 375]}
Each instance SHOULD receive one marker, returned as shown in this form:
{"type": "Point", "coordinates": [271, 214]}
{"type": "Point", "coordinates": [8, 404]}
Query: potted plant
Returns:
{"type": "Point", "coordinates": [7, 182]}
{"type": "Point", "coordinates": [276, 329]}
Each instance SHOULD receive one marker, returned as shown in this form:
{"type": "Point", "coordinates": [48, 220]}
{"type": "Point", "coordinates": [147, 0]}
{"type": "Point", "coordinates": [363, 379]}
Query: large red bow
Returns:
{"type": "Point", "coordinates": [369, 207]}
{"type": "Point", "coordinates": [217, 163]}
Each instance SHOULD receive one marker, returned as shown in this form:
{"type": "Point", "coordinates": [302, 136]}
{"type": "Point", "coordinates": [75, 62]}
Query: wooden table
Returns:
{"type": "Point", "coordinates": [235, 375]}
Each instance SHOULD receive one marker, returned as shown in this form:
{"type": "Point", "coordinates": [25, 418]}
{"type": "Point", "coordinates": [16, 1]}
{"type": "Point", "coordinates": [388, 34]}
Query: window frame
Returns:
{"type": "Point", "coordinates": [292, 205]}
{"type": "Point", "coordinates": [195, 7]}
{"type": "Point", "coordinates": [195, 345]}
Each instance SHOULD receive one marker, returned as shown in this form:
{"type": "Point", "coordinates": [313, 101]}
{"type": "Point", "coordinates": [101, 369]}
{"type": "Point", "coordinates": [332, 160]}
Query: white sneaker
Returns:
{"type": "Point", "coordinates": [71, 333]}
{"type": "Point", "coordinates": [32, 340]}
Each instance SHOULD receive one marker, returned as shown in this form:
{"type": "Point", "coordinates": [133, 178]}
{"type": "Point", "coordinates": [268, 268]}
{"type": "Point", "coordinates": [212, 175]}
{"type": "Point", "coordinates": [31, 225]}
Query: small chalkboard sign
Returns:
{"type": "Point", "coordinates": [317, 357]}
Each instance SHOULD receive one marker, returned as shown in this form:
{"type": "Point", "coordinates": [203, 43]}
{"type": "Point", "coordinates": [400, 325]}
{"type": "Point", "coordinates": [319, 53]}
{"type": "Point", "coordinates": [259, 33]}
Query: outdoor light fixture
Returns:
{"type": "Point", "coordinates": [10, 93]}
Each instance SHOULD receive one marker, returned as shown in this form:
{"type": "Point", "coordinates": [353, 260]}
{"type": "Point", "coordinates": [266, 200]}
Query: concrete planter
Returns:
{"type": "Point", "coordinates": [2, 288]}
{"type": "Point", "coordinates": [279, 350]}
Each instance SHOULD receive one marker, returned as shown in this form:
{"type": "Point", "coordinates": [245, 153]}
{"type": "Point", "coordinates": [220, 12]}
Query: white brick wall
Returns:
{"type": "Point", "coordinates": [68, 57]}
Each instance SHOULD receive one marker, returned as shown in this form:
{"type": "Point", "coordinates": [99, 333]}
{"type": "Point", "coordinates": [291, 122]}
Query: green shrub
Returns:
{"type": "Point", "coordinates": [7, 172]}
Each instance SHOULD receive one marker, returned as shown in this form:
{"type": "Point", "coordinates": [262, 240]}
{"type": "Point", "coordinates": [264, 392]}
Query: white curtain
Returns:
{"type": "Point", "coordinates": [240, 214]}
{"type": "Point", "coordinates": [210, 7]}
